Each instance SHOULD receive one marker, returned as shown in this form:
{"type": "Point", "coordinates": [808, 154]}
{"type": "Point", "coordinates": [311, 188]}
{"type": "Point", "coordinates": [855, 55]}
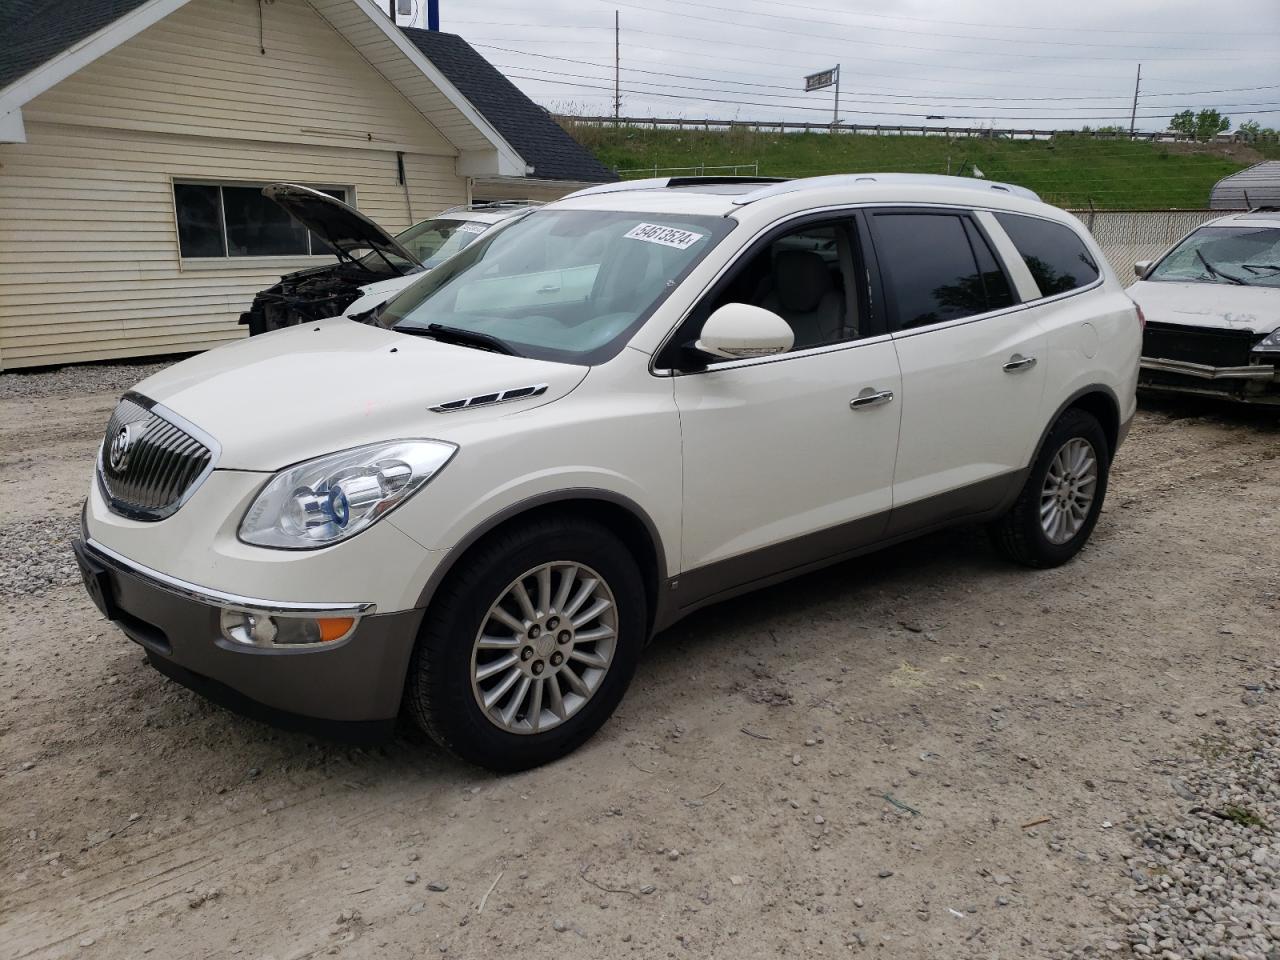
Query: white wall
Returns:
{"type": "Point", "coordinates": [89, 260]}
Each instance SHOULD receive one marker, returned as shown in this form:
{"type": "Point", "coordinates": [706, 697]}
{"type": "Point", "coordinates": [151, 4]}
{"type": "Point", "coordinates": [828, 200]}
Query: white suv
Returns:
{"type": "Point", "coordinates": [633, 402]}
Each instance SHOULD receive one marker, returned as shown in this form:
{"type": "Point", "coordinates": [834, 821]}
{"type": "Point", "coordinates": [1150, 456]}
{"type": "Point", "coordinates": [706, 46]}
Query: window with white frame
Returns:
{"type": "Point", "coordinates": [219, 220]}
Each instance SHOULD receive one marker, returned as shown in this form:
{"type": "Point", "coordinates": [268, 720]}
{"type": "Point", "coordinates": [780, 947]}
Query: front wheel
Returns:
{"type": "Point", "coordinates": [529, 647]}
{"type": "Point", "coordinates": [1056, 511]}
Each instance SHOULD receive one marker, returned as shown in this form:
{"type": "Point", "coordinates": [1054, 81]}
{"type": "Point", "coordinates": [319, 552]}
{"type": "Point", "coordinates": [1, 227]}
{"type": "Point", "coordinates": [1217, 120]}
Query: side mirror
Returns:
{"type": "Point", "coordinates": [1140, 268]}
{"type": "Point", "coordinates": [738, 330]}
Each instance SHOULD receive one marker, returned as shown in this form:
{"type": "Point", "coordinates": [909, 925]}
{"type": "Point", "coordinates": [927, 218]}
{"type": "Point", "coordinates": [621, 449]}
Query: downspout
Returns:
{"type": "Point", "coordinates": [404, 182]}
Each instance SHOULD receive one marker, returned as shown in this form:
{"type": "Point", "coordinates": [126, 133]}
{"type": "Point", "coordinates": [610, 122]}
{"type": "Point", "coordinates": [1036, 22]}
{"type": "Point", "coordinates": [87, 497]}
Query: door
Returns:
{"type": "Point", "coordinates": [788, 460]}
{"type": "Point", "coordinates": [972, 362]}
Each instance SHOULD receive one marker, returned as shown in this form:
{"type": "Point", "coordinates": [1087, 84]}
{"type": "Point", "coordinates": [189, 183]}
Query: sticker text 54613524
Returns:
{"type": "Point", "coordinates": [667, 236]}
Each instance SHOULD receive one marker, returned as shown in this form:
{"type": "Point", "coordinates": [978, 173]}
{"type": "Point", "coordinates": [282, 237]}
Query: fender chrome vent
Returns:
{"type": "Point", "coordinates": [489, 399]}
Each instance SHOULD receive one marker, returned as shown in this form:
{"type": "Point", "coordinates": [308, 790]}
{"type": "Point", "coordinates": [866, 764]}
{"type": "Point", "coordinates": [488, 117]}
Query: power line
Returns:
{"type": "Point", "coordinates": [755, 62]}
{"type": "Point", "coordinates": [795, 98]}
{"type": "Point", "coordinates": [750, 103]}
{"type": "Point", "coordinates": [898, 96]}
{"type": "Point", "coordinates": [775, 51]}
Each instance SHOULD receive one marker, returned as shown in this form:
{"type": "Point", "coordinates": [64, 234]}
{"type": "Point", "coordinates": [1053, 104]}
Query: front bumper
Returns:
{"type": "Point", "coordinates": [1249, 383]}
{"type": "Point", "coordinates": [349, 689]}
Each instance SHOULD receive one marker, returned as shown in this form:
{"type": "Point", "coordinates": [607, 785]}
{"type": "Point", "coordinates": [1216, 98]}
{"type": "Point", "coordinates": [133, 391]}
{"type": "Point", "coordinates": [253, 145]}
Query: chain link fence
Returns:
{"type": "Point", "coordinates": [1129, 235]}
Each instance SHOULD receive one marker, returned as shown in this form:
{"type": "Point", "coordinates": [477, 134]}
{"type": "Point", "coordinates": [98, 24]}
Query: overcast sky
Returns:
{"type": "Point", "coordinates": [975, 63]}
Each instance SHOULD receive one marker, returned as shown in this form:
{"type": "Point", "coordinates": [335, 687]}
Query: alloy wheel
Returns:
{"type": "Point", "coordinates": [544, 647]}
{"type": "Point", "coordinates": [1069, 489]}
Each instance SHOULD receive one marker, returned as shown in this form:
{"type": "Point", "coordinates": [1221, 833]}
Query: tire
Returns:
{"type": "Point", "coordinates": [443, 692]}
{"type": "Point", "coordinates": [1020, 534]}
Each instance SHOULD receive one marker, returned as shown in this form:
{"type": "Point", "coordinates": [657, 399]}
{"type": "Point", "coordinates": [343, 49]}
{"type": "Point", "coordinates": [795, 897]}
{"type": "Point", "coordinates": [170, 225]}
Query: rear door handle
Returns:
{"type": "Point", "coordinates": [870, 397]}
{"type": "Point", "coordinates": [1018, 362]}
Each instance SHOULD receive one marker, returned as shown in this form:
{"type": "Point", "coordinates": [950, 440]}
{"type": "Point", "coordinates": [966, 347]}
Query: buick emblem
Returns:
{"type": "Point", "coordinates": [121, 447]}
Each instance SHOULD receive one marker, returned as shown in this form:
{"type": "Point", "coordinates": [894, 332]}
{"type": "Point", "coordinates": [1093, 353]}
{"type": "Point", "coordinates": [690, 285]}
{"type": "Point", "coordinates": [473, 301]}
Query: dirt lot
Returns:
{"type": "Point", "coordinates": [923, 753]}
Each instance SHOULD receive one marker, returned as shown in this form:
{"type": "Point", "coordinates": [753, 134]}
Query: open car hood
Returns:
{"type": "Point", "coordinates": [348, 231]}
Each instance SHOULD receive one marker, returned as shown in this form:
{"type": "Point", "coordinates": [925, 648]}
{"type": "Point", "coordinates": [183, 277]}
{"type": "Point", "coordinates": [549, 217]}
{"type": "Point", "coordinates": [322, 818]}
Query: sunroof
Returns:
{"type": "Point", "coordinates": [731, 189]}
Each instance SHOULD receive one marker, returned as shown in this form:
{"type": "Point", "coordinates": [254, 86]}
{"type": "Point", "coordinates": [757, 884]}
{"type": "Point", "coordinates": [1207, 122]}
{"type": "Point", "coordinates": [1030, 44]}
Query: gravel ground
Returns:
{"type": "Point", "coordinates": [87, 378]}
{"type": "Point", "coordinates": [926, 753]}
{"type": "Point", "coordinates": [34, 557]}
{"type": "Point", "coordinates": [1207, 884]}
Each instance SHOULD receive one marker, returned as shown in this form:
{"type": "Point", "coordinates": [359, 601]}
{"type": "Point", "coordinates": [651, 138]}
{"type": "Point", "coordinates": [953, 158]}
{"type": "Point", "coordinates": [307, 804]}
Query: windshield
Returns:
{"type": "Point", "coordinates": [1228, 255]}
{"type": "Point", "coordinates": [431, 241]}
{"type": "Point", "coordinates": [560, 284]}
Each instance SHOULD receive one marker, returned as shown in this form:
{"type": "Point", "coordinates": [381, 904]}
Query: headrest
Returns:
{"type": "Point", "coordinates": [800, 280]}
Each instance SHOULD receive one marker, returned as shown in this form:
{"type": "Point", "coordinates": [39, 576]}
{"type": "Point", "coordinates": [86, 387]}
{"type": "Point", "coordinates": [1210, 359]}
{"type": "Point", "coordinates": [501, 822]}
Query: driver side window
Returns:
{"type": "Point", "coordinates": [806, 276]}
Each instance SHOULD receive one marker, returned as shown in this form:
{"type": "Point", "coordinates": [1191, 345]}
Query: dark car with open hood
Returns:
{"type": "Point", "coordinates": [372, 265]}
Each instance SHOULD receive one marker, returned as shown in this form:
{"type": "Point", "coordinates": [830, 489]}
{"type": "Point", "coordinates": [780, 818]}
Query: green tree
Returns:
{"type": "Point", "coordinates": [1249, 131]}
{"type": "Point", "coordinates": [1210, 123]}
{"type": "Point", "coordinates": [1184, 122]}
{"type": "Point", "coordinates": [1204, 125]}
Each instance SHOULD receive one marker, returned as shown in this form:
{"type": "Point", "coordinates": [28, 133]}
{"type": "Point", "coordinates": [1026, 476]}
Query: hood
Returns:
{"type": "Point", "coordinates": [1218, 306]}
{"type": "Point", "coordinates": [297, 393]}
{"type": "Point", "coordinates": [341, 226]}
{"type": "Point", "coordinates": [376, 294]}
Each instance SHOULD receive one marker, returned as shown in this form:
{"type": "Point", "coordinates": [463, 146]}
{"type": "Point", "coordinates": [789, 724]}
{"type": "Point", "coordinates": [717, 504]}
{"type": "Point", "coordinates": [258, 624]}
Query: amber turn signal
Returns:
{"type": "Point", "coordinates": [334, 628]}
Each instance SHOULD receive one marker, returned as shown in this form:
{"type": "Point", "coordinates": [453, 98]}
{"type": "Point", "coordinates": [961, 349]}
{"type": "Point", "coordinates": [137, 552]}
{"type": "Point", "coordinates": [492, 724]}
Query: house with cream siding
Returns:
{"type": "Point", "coordinates": [136, 135]}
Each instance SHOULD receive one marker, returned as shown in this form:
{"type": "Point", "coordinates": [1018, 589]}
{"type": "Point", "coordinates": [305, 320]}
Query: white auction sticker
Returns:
{"type": "Point", "coordinates": [667, 236]}
{"type": "Point", "coordinates": [468, 226]}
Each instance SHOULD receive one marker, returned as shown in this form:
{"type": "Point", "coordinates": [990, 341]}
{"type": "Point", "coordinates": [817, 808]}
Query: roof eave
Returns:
{"type": "Point", "coordinates": [488, 154]}
{"type": "Point", "coordinates": [81, 54]}
{"type": "Point", "coordinates": [495, 156]}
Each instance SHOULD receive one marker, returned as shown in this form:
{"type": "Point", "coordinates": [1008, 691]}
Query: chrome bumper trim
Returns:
{"type": "Point", "coordinates": [1205, 372]}
{"type": "Point", "coordinates": [217, 598]}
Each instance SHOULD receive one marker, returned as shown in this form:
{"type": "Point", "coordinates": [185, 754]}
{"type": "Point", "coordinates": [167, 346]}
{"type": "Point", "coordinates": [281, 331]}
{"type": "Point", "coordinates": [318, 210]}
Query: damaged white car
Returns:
{"type": "Point", "coordinates": [1212, 305]}
{"type": "Point", "coordinates": [372, 265]}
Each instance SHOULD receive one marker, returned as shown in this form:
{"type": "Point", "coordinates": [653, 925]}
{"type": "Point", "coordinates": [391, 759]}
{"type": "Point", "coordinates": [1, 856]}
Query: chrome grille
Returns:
{"type": "Point", "coordinates": [151, 460]}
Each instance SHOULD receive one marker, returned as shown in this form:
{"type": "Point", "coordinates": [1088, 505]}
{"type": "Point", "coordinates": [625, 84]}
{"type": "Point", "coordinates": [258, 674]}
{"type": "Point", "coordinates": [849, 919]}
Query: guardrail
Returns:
{"type": "Point", "coordinates": [882, 129]}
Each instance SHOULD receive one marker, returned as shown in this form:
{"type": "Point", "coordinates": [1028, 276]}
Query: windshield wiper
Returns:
{"type": "Point", "coordinates": [466, 338]}
{"type": "Point", "coordinates": [1218, 273]}
{"type": "Point", "coordinates": [1255, 267]}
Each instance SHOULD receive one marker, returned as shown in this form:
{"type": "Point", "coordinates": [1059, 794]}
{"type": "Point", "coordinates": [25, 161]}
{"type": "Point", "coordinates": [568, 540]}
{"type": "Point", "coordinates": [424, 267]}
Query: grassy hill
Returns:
{"type": "Point", "coordinates": [1068, 171]}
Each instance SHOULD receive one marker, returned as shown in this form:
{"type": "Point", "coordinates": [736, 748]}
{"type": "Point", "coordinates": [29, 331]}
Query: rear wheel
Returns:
{"type": "Point", "coordinates": [1058, 507]}
{"type": "Point", "coordinates": [529, 647]}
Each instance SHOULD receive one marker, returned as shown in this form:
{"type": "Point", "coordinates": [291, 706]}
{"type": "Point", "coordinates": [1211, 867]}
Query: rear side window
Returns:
{"type": "Point", "coordinates": [937, 267]}
{"type": "Point", "coordinates": [1057, 258]}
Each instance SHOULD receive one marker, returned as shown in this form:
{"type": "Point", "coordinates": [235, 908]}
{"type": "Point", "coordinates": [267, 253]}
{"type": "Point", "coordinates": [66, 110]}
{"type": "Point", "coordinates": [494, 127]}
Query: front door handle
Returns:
{"type": "Point", "coordinates": [1018, 362]}
{"type": "Point", "coordinates": [870, 397]}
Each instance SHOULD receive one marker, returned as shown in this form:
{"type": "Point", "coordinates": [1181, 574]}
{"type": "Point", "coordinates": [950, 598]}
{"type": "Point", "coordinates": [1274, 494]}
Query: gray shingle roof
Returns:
{"type": "Point", "coordinates": [553, 154]}
{"type": "Point", "coordinates": [36, 31]}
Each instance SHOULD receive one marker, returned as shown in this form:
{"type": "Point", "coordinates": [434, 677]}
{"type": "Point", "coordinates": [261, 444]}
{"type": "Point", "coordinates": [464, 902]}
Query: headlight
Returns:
{"type": "Point", "coordinates": [330, 498]}
{"type": "Point", "coordinates": [1269, 344]}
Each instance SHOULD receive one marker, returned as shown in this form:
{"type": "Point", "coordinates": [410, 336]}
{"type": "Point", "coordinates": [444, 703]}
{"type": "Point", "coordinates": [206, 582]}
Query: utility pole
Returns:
{"type": "Point", "coordinates": [617, 46]}
{"type": "Point", "coordinates": [1133, 114]}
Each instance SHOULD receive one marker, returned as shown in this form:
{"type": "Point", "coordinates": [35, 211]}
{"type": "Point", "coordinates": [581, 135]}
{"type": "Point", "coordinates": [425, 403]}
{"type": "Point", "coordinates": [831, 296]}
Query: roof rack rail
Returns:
{"type": "Point", "coordinates": [659, 183]}
{"type": "Point", "coordinates": [851, 179]}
